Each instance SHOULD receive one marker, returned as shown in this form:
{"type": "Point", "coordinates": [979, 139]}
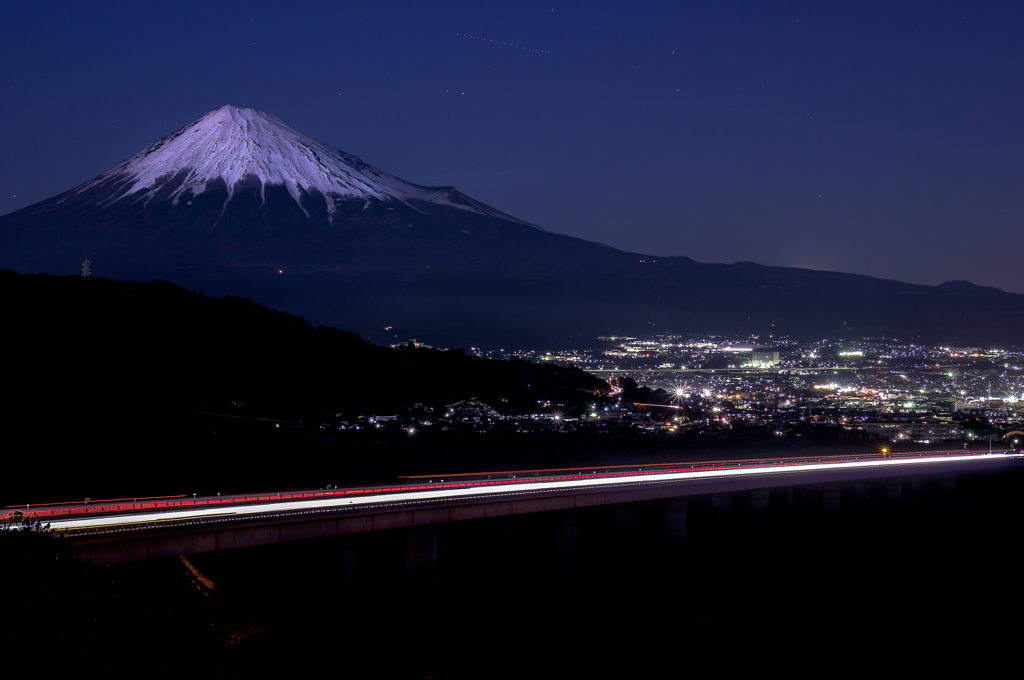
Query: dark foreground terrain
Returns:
{"type": "Point", "coordinates": [893, 587]}
{"type": "Point", "coordinates": [105, 379]}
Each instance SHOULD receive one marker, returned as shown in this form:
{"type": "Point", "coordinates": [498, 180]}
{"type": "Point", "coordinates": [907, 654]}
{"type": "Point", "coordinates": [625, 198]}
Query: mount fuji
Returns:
{"type": "Point", "coordinates": [240, 203]}
{"type": "Point", "coordinates": [250, 152]}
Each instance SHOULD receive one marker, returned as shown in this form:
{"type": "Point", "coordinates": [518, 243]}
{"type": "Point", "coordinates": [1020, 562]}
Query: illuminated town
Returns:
{"type": "Point", "coordinates": [716, 387]}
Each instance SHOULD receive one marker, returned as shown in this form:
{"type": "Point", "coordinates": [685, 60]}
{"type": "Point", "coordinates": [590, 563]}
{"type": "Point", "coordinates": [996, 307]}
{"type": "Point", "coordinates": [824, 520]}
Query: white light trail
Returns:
{"type": "Point", "coordinates": [439, 494]}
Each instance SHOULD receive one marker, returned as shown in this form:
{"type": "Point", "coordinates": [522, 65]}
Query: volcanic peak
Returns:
{"type": "Point", "coordinates": [234, 144]}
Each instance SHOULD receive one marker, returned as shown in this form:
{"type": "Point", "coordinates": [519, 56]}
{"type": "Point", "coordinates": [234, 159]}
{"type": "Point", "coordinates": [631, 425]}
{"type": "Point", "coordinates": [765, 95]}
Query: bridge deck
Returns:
{"type": "Point", "coordinates": [144, 530]}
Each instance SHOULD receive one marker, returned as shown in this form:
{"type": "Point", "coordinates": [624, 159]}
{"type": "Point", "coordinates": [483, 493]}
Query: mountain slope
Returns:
{"type": "Point", "coordinates": [239, 203]}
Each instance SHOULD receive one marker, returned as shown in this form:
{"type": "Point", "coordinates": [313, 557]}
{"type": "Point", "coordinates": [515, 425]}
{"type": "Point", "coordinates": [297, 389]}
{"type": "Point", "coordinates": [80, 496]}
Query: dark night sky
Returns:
{"type": "Point", "coordinates": [882, 138]}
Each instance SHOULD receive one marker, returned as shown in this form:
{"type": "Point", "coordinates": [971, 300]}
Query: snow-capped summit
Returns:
{"type": "Point", "coordinates": [236, 145]}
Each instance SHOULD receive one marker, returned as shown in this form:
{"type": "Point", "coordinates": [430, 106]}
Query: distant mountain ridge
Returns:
{"type": "Point", "coordinates": [240, 203]}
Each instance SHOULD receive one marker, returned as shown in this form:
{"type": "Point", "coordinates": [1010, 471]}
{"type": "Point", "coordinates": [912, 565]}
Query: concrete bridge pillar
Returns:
{"type": "Point", "coordinates": [674, 520]}
{"type": "Point", "coordinates": [862, 491]}
{"type": "Point", "coordinates": [948, 483]}
{"type": "Point", "coordinates": [805, 498]}
{"type": "Point", "coordinates": [503, 549]}
{"type": "Point", "coordinates": [916, 484]}
{"type": "Point", "coordinates": [627, 518]}
{"type": "Point", "coordinates": [894, 491]}
{"type": "Point", "coordinates": [830, 500]}
{"type": "Point", "coordinates": [759, 503]}
{"type": "Point", "coordinates": [421, 558]}
{"type": "Point", "coordinates": [566, 541]}
{"type": "Point", "coordinates": [348, 563]}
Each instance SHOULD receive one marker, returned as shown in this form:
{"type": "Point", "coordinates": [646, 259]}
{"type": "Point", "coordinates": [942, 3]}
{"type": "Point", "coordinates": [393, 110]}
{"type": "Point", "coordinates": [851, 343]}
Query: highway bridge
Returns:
{"type": "Point", "coordinates": [126, 530]}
